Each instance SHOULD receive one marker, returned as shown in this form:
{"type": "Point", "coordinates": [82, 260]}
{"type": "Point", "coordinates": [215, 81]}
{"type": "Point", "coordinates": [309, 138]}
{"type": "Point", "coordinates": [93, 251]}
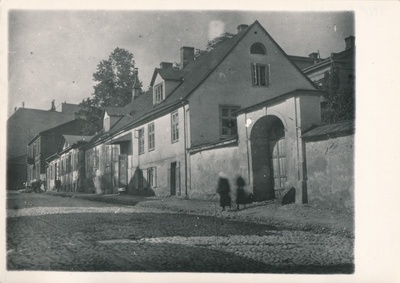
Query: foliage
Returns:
{"type": "Point", "coordinates": [340, 99]}
{"type": "Point", "coordinates": [115, 80]}
{"type": "Point", "coordinates": [212, 44]}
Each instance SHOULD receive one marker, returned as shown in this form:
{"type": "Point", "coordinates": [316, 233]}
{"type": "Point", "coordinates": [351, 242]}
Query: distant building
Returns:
{"type": "Point", "coordinates": [67, 164]}
{"type": "Point", "coordinates": [343, 62]}
{"type": "Point", "coordinates": [46, 143]}
{"type": "Point", "coordinates": [22, 126]}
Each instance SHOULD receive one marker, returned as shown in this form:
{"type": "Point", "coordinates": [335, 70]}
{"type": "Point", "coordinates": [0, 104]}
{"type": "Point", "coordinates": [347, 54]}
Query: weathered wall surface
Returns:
{"type": "Point", "coordinates": [231, 84]}
{"type": "Point", "coordinates": [206, 165]}
{"type": "Point", "coordinates": [330, 171]}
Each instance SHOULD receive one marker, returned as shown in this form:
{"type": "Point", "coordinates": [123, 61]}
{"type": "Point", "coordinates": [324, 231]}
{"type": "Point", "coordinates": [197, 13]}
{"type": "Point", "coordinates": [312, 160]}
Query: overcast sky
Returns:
{"type": "Point", "coordinates": [53, 54]}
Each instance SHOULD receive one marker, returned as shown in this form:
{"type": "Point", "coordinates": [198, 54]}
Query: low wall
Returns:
{"type": "Point", "coordinates": [330, 172]}
{"type": "Point", "coordinates": [205, 166]}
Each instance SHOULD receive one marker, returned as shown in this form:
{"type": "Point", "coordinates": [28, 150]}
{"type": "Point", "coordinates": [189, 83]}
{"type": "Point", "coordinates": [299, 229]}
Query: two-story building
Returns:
{"type": "Point", "coordinates": [240, 109]}
{"type": "Point", "coordinates": [68, 164]}
{"type": "Point", "coordinates": [24, 124]}
{"type": "Point", "coordinates": [46, 143]}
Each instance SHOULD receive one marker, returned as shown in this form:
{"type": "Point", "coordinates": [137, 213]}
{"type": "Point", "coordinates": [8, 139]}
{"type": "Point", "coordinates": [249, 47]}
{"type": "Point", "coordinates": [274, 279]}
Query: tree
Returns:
{"type": "Point", "coordinates": [115, 80]}
{"type": "Point", "coordinates": [340, 100]}
{"type": "Point", "coordinates": [213, 43]}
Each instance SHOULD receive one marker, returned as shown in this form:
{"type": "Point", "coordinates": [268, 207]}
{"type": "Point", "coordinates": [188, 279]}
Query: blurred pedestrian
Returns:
{"type": "Point", "coordinates": [223, 188]}
{"type": "Point", "coordinates": [240, 194]}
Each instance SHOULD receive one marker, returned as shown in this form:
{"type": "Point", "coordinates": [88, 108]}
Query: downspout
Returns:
{"type": "Point", "coordinates": [300, 157]}
{"type": "Point", "coordinates": [247, 146]}
{"type": "Point", "coordinates": [184, 146]}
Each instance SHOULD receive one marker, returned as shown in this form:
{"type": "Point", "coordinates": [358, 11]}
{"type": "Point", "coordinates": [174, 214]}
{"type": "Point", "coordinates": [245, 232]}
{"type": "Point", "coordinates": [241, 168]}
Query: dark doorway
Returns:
{"type": "Point", "coordinates": [123, 171]}
{"type": "Point", "coordinates": [173, 178]}
{"type": "Point", "coordinates": [268, 152]}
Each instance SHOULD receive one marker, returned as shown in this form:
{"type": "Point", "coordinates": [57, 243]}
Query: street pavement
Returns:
{"type": "Point", "coordinates": [47, 232]}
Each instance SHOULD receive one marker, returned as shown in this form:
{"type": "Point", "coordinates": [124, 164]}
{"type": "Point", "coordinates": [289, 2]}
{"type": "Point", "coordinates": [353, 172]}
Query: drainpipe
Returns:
{"type": "Point", "coordinates": [184, 145]}
{"type": "Point", "coordinates": [247, 145]}
{"type": "Point", "coordinates": [300, 157]}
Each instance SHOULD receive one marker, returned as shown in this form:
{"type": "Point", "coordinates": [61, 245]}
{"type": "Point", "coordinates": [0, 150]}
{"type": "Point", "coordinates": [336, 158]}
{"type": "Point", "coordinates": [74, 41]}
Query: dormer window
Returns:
{"type": "Point", "coordinates": [158, 93]}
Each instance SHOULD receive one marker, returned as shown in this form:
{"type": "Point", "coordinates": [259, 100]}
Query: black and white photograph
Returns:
{"type": "Point", "coordinates": [181, 141]}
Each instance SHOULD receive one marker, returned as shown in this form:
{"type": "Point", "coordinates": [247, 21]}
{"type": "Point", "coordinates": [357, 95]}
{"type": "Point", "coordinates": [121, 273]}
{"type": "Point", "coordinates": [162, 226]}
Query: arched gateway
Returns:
{"type": "Point", "coordinates": [268, 152]}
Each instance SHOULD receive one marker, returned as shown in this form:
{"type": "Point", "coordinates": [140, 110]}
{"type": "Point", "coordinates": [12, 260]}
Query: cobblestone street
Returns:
{"type": "Point", "coordinates": [46, 232]}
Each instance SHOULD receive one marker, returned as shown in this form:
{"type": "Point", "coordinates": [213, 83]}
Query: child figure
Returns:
{"type": "Point", "coordinates": [240, 194]}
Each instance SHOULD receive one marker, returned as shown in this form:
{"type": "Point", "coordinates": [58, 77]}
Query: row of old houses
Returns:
{"type": "Point", "coordinates": [245, 108]}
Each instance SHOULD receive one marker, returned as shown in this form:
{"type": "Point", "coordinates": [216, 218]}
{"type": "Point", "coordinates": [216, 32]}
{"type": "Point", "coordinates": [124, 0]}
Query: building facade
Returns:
{"type": "Point", "coordinates": [240, 108]}
{"type": "Point", "coordinates": [22, 126]}
{"type": "Point", "coordinates": [45, 144]}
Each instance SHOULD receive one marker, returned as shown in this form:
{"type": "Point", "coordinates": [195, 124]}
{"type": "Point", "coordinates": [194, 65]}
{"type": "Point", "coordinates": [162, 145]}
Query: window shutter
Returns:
{"type": "Point", "coordinates": [268, 75]}
{"type": "Point", "coordinates": [254, 73]}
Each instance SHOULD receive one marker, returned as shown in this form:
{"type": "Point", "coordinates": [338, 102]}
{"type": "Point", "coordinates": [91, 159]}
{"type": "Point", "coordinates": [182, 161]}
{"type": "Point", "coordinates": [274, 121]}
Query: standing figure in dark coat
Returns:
{"type": "Point", "coordinates": [223, 189]}
{"type": "Point", "coordinates": [240, 194]}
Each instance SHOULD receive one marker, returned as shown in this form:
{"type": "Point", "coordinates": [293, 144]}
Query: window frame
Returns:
{"type": "Point", "coordinates": [174, 127]}
{"type": "Point", "coordinates": [151, 136]}
{"type": "Point", "coordinates": [256, 74]}
{"type": "Point", "coordinates": [231, 131]}
{"type": "Point", "coordinates": [141, 141]}
{"type": "Point", "coordinates": [255, 47]}
{"type": "Point", "coordinates": [158, 92]}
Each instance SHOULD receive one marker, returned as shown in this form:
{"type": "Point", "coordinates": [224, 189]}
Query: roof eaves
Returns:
{"type": "Point", "coordinates": [275, 99]}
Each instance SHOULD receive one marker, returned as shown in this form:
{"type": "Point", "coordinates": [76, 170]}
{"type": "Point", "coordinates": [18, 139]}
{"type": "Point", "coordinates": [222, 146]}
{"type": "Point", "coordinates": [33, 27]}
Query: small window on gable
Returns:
{"type": "Point", "coordinates": [258, 48]}
{"type": "Point", "coordinates": [158, 93]}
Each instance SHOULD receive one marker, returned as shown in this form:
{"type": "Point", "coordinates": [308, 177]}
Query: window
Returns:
{"type": "Point", "coordinates": [68, 164]}
{"type": "Point", "coordinates": [261, 74]}
{"type": "Point", "coordinates": [51, 171]}
{"type": "Point", "coordinates": [228, 121]}
{"type": "Point", "coordinates": [258, 48]}
{"type": "Point", "coordinates": [151, 136]}
{"type": "Point", "coordinates": [141, 141]}
{"type": "Point", "coordinates": [108, 155]}
{"type": "Point", "coordinates": [174, 127]}
{"type": "Point", "coordinates": [158, 93]}
{"type": "Point", "coordinates": [151, 177]}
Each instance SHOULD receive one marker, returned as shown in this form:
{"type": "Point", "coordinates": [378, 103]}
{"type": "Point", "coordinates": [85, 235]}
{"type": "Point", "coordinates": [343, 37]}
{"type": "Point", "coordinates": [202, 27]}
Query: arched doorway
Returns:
{"type": "Point", "coordinates": [268, 152]}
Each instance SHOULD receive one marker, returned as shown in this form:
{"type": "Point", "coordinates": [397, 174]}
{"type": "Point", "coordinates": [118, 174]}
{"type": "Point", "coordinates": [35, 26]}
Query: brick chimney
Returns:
{"type": "Point", "coordinates": [241, 27]}
{"type": "Point", "coordinates": [165, 65]}
{"type": "Point", "coordinates": [53, 105]}
{"type": "Point", "coordinates": [187, 55]}
{"type": "Point", "coordinates": [313, 55]}
{"type": "Point", "coordinates": [350, 42]}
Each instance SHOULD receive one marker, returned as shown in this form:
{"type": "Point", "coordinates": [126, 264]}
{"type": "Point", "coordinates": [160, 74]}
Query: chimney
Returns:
{"type": "Point", "coordinates": [241, 27]}
{"type": "Point", "coordinates": [350, 42]}
{"type": "Point", "coordinates": [165, 65]}
{"type": "Point", "coordinates": [136, 85]}
{"type": "Point", "coordinates": [313, 55]}
{"type": "Point", "coordinates": [23, 104]}
{"type": "Point", "coordinates": [187, 56]}
{"type": "Point", "coordinates": [53, 105]}
{"type": "Point", "coordinates": [15, 109]}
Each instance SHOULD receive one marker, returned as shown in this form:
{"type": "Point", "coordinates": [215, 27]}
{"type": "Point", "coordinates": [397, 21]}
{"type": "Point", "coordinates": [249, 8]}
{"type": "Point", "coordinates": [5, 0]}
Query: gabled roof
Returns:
{"type": "Point", "coordinates": [63, 129]}
{"type": "Point", "coordinates": [167, 74]}
{"type": "Point", "coordinates": [192, 76]}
